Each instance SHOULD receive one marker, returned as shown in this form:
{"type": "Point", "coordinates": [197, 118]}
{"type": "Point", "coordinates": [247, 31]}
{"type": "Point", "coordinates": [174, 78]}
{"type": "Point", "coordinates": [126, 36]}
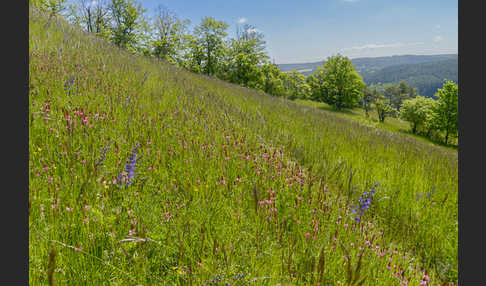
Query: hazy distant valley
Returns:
{"type": "Point", "coordinates": [424, 72]}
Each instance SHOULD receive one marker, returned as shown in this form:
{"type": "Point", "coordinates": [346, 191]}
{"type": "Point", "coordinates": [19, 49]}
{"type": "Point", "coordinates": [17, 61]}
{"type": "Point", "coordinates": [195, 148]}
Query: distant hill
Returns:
{"type": "Point", "coordinates": [426, 77]}
{"type": "Point", "coordinates": [424, 72]}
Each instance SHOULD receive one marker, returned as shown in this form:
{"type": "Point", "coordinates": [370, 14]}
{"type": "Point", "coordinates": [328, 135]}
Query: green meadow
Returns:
{"type": "Point", "coordinates": [141, 173]}
{"type": "Point", "coordinates": [391, 123]}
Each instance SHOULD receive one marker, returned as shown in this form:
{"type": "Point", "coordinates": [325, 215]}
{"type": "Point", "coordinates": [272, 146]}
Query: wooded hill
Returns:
{"type": "Point", "coordinates": [424, 72]}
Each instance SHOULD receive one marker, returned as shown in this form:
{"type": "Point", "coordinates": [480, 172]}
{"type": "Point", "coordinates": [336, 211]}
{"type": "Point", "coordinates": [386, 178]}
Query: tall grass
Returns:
{"type": "Point", "coordinates": [229, 185]}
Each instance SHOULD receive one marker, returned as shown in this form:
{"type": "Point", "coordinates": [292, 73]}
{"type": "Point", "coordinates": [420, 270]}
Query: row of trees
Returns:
{"type": "Point", "coordinates": [242, 60]}
{"type": "Point", "coordinates": [206, 49]}
{"type": "Point", "coordinates": [440, 115]}
{"type": "Point", "coordinates": [426, 115]}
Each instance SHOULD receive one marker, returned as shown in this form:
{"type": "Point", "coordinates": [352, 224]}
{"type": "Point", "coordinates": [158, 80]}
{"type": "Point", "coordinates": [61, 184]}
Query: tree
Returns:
{"type": "Point", "coordinates": [316, 85]}
{"type": "Point", "coordinates": [416, 111]}
{"type": "Point", "coordinates": [93, 16]}
{"type": "Point", "coordinates": [54, 7]}
{"type": "Point", "coordinates": [272, 81]}
{"type": "Point", "coordinates": [383, 108]}
{"type": "Point", "coordinates": [342, 86]}
{"type": "Point", "coordinates": [396, 94]}
{"type": "Point", "coordinates": [369, 96]}
{"type": "Point", "coordinates": [407, 90]}
{"type": "Point", "coordinates": [168, 35]}
{"type": "Point", "coordinates": [127, 23]}
{"type": "Point", "coordinates": [296, 85]}
{"type": "Point", "coordinates": [208, 40]}
{"type": "Point", "coordinates": [444, 115]}
{"type": "Point", "coordinates": [193, 55]}
{"type": "Point", "coordinates": [244, 56]}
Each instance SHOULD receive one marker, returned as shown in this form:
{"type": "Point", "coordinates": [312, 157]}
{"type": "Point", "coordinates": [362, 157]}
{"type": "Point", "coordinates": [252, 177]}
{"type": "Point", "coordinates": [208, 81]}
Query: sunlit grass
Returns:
{"type": "Point", "coordinates": [228, 181]}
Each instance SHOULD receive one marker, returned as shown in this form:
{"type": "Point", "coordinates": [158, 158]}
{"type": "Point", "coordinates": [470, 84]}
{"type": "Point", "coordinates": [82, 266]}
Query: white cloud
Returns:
{"type": "Point", "coordinates": [254, 30]}
{"type": "Point", "coordinates": [92, 3]}
{"type": "Point", "coordinates": [242, 20]}
{"type": "Point", "coordinates": [350, 1]}
{"type": "Point", "coordinates": [438, 39]}
{"type": "Point", "coordinates": [437, 26]}
{"type": "Point", "coordinates": [381, 46]}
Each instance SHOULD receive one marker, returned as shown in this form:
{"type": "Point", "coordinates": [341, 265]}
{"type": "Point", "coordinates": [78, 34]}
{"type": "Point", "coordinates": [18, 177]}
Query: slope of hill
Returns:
{"type": "Point", "coordinates": [424, 72]}
{"type": "Point", "coordinates": [144, 174]}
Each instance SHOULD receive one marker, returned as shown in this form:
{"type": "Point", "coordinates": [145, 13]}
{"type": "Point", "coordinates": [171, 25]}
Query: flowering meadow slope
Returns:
{"type": "Point", "coordinates": [144, 174]}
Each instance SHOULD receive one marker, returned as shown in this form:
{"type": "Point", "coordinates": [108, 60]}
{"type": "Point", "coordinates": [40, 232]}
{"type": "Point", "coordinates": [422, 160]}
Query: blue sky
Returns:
{"type": "Point", "coordinates": [311, 30]}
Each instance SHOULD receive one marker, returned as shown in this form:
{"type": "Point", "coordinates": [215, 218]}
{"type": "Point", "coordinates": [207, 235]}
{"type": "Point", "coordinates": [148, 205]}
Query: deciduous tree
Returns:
{"type": "Point", "coordinates": [444, 115]}
{"type": "Point", "coordinates": [342, 87]}
{"type": "Point", "coordinates": [416, 111]}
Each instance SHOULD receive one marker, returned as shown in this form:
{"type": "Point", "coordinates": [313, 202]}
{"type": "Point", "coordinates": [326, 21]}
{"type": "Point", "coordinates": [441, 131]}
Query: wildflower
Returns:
{"type": "Point", "coordinates": [68, 84]}
{"type": "Point", "coordinates": [363, 204]}
{"type": "Point", "coordinates": [102, 156]}
{"type": "Point", "coordinates": [130, 168]}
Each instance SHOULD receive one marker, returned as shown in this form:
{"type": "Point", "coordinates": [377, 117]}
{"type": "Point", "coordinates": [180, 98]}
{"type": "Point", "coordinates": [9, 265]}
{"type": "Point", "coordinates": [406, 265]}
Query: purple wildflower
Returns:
{"type": "Point", "coordinates": [129, 173]}
{"type": "Point", "coordinates": [68, 84]}
{"type": "Point", "coordinates": [364, 203]}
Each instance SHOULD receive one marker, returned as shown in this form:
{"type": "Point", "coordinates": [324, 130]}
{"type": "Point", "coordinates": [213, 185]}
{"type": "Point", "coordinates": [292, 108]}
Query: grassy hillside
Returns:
{"type": "Point", "coordinates": [144, 174]}
{"type": "Point", "coordinates": [394, 124]}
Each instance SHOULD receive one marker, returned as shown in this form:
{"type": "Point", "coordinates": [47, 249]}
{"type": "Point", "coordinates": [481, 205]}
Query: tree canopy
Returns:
{"type": "Point", "coordinates": [416, 110]}
{"type": "Point", "coordinates": [340, 85]}
{"type": "Point", "coordinates": [444, 116]}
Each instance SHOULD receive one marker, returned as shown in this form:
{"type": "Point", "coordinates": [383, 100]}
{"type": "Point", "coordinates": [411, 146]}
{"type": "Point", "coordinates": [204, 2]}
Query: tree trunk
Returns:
{"type": "Point", "coordinates": [447, 136]}
{"type": "Point", "coordinates": [414, 128]}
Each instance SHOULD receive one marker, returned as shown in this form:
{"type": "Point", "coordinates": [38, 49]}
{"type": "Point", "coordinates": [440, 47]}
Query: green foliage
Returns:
{"type": "Point", "coordinates": [245, 55]}
{"type": "Point", "coordinates": [383, 108]}
{"type": "Point", "coordinates": [168, 36]}
{"type": "Point", "coordinates": [208, 45]}
{"type": "Point", "coordinates": [272, 80]}
{"type": "Point", "coordinates": [444, 116]}
{"type": "Point", "coordinates": [127, 24]}
{"type": "Point", "coordinates": [369, 96]}
{"type": "Point", "coordinates": [423, 72]}
{"type": "Point", "coordinates": [92, 17]}
{"type": "Point", "coordinates": [342, 86]}
{"type": "Point", "coordinates": [416, 111]}
{"type": "Point", "coordinates": [396, 94]}
{"type": "Point", "coordinates": [296, 85]}
{"type": "Point", "coordinates": [425, 77]}
{"type": "Point", "coordinates": [51, 6]}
